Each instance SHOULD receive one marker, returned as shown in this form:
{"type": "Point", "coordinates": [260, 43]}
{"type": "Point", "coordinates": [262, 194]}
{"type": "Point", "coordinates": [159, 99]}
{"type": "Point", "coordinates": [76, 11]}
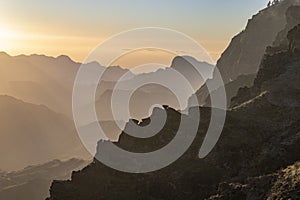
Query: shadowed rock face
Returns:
{"type": "Point", "coordinates": [242, 58]}
{"type": "Point", "coordinates": [260, 136]}
{"type": "Point", "coordinates": [294, 40]}
{"type": "Point", "coordinates": [246, 50]}
{"type": "Point", "coordinates": [278, 73]}
{"type": "Point", "coordinates": [232, 87]}
{"type": "Point", "coordinates": [282, 184]}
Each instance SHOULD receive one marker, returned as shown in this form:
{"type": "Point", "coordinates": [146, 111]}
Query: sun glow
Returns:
{"type": "Point", "coordinates": [4, 33]}
{"type": "Point", "coordinates": [6, 37]}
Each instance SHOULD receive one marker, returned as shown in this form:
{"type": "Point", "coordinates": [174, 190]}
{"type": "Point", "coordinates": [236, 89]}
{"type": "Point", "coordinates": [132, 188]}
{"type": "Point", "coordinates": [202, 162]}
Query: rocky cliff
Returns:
{"type": "Point", "coordinates": [246, 50]}
{"type": "Point", "coordinates": [282, 184]}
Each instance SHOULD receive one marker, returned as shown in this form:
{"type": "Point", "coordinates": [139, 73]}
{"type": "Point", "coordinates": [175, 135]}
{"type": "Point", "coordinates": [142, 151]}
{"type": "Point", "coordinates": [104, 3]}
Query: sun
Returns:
{"type": "Point", "coordinates": [6, 33]}
{"type": "Point", "coordinates": [6, 37]}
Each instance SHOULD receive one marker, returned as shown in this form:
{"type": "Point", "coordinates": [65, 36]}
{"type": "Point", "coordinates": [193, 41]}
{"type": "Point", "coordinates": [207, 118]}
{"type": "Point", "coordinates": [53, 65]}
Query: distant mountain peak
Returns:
{"type": "Point", "coordinates": [186, 59]}
{"type": "Point", "coordinates": [64, 57]}
{"type": "Point", "coordinates": [4, 54]}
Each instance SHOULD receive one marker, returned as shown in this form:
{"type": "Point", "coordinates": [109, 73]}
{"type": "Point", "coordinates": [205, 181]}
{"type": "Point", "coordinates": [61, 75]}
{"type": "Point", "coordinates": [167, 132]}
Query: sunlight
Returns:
{"type": "Point", "coordinates": [5, 38]}
{"type": "Point", "coordinates": [7, 33]}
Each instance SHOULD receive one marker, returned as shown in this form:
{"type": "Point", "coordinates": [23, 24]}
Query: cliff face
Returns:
{"type": "Point", "coordinates": [232, 88]}
{"type": "Point", "coordinates": [292, 18]}
{"type": "Point", "coordinates": [266, 31]}
{"type": "Point", "coordinates": [294, 42]}
{"type": "Point", "coordinates": [261, 135]}
{"type": "Point", "coordinates": [246, 50]}
{"type": "Point", "coordinates": [278, 70]}
{"type": "Point", "coordinates": [278, 82]}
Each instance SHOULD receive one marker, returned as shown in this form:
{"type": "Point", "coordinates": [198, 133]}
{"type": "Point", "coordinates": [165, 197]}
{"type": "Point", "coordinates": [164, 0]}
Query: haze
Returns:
{"type": "Point", "coordinates": [74, 28]}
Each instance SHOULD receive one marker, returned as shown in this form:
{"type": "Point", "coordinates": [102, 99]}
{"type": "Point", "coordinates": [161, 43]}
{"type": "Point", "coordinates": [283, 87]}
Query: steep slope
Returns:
{"type": "Point", "coordinates": [260, 136]}
{"type": "Point", "coordinates": [189, 67]}
{"type": "Point", "coordinates": [231, 88]}
{"type": "Point", "coordinates": [32, 183]}
{"type": "Point", "coordinates": [32, 134]}
{"type": "Point", "coordinates": [245, 52]}
{"type": "Point", "coordinates": [283, 184]}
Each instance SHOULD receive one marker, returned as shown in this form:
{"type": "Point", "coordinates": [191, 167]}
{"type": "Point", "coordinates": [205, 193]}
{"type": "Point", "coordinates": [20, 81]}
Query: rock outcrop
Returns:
{"type": "Point", "coordinates": [283, 184]}
{"type": "Point", "coordinates": [246, 50]}
{"type": "Point", "coordinates": [244, 54]}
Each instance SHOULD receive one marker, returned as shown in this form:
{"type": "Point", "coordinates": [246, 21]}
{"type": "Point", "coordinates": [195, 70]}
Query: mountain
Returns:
{"type": "Point", "coordinates": [189, 67]}
{"type": "Point", "coordinates": [282, 184]}
{"type": "Point", "coordinates": [145, 96]}
{"type": "Point", "coordinates": [245, 52]}
{"type": "Point", "coordinates": [46, 80]}
{"type": "Point", "coordinates": [261, 136]}
{"type": "Point", "coordinates": [231, 89]}
{"type": "Point", "coordinates": [30, 134]}
{"type": "Point", "coordinates": [147, 89]}
{"type": "Point", "coordinates": [32, 183]}
{"type": "Point", "coordinates": [40, 79]}
{"type": "Point", "coordinates": [186, 66]}
{"type": "Point", "coordinates": [140, 103]}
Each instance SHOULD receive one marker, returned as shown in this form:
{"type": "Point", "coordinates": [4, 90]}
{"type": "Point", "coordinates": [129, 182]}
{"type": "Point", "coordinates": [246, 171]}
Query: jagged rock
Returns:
{"type": "Point", "coordinates": [246, 50]}
{"type": "Point", "coordinates": [279, 73]}
{"type": "Point", "coordinates": [232, 87]}
{"type": "Point", "coordinates": [283, 184]}
{"type": "Point", "coordinates": [294, 40]}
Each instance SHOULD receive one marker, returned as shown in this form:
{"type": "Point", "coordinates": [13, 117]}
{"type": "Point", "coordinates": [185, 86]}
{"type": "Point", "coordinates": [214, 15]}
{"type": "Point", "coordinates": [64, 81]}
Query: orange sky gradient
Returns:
{"type": "Point", "coordinates": [75, 28]}
{"type": "Point", "coordinates": [78, 47]}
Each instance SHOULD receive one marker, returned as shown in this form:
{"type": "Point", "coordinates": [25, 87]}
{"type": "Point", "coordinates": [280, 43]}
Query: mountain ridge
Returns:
{"type": "Point", "coordinates": [42, 127]}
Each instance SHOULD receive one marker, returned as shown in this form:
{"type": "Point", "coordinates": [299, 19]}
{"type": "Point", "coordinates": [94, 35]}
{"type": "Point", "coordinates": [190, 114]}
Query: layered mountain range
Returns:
{"type": "Point", "coordinates": [36, 117]}
{"type": "Point", "coordinates": [36, 104]}
{"type": "Point", "coordinates": [257, 154]}
{"type": "Point", "coordinates": [32, 182]}
{"type": "Point", "coordinates": [49, 81]}
{"type": "Point", "coordinates": [30, 135]}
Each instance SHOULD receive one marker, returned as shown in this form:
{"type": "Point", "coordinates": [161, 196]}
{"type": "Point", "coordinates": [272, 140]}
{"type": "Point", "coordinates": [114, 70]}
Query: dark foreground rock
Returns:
{"type": "Point", "coordinates": [283, 184]}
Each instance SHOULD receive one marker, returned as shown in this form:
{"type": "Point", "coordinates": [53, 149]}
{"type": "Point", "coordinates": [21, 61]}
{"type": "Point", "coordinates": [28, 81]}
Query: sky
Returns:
{"type": "Point", "coordinates": [75, 27]}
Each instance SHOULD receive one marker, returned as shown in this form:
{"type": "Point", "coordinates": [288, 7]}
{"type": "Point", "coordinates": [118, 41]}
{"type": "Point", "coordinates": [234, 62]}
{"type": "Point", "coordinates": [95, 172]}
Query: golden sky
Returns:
{"type": "Point", "coordinates": [74, 28]}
